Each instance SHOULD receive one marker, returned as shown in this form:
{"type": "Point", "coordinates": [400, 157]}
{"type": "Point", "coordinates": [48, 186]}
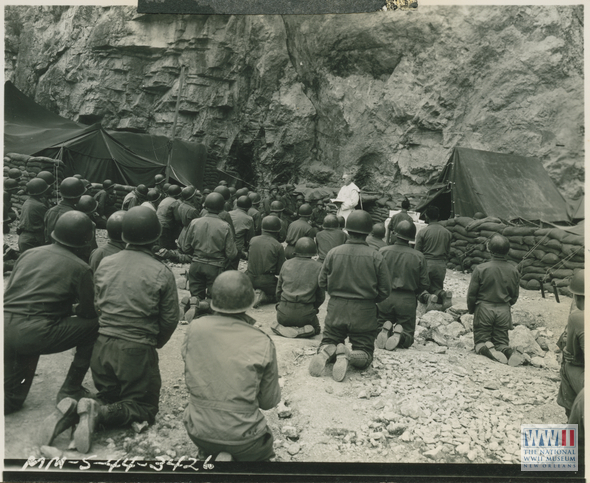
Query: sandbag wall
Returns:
{"type": "Point", "coordinates": [542, 254]}
{"type": "Point", "coordinates": [120, 192]}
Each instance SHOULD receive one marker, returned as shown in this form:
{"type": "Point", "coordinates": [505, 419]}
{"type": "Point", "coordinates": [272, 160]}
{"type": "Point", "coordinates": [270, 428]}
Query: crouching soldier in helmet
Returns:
{"type": "Point", "coordinates": [226, 417]}
{"type": "Point", "coordinates": [492, 291]}
{"type": "Point", "coordinates": [572, 368]}
{"type": "Point", "coordinates": [31, 225]}
{"type": "Point", "coordinates": [40, 316]}
{"type": "Point", "coordinates": [356, 277]}
{"type": "Point", "coordinates": [265, 260]}
{"type": "Point", "coordinates": [409, 278]}
{"type": "Point", "coordinates": [299, 293]}
{"type": "Point", "coordinates": [115, 243]}
{"type": "Point", "coordinates": [137, 301]}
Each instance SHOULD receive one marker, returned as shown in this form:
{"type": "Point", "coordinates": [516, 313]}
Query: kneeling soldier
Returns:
{"type": "Point", "coordinates": [492, 291]}
{"type": "Point", "coordinates": [409, 277]}
{"type": "Point", "coordinates": [225, 417]}
{"type": "Point", "coordinates": [137, 301]}
{"type": "Point", "coordinates": [299, 293]}
{"type": "Point", "coordinates": [356, 277]}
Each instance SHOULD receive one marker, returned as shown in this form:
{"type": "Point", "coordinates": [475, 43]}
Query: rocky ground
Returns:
{"type": "Point", "coordinates": [435, 402]}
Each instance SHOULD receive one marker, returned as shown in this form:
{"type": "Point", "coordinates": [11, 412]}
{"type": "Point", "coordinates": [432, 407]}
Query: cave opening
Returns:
{"type": "Point", "coordinates": [240, 163]}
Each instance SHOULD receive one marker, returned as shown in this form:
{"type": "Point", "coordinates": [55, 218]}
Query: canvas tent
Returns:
{"type": "Point", "coordinates": [124, 157]}
{"type": "Point", "coordinates": [506, 186]}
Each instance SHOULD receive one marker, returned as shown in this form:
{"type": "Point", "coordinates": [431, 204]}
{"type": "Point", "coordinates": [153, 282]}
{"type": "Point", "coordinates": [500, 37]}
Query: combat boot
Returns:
{"type": "Point", "coordinates": [318, 362]}
{"type": "Point", "coordinates": [432, 303]}
{"type": "Point", "coordinates": [259, 298]}
{"type": "Point", "coordinates": [293, 332]}
{"type": "Point", "coordinates": [341, 364]}
{"type": "Point", "coordinates": [72, 386]}
{"type": "Point", "coordinates": [514, 357]}
{"type": "Point", "coordinates": [394, 340]}
{"type": "Point", "coordinates": [65, 416]}
{"type": "Point", "coordinates": [447, 300]}
{"type": "Point", "coordinates": [359, 359]}
{"type": "Point", "coordinates": [485, 351]}
{"type": "Point", "coordinates": [92, 413]}
{"type": "Point", "coordinates": [384, 335]}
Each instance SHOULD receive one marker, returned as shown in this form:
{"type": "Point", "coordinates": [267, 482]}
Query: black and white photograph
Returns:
{"type": "Point", "coordinates": [294, 244]}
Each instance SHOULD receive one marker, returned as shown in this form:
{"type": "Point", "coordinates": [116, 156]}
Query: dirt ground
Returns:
{"type": "Point", "coordinates": [424, 404]}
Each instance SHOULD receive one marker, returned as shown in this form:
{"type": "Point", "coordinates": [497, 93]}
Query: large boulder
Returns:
{"type": "Point", "coordinates": [467, 321]}
{"type": "Point", "coordinates": [522, 338]}
{"type": "Point", "coordinates": [524, 317]}
{"type": "Point", "coordinates": [453, 330]}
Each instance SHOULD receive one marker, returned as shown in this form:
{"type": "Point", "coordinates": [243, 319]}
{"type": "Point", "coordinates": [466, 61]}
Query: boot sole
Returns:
{"type": "Point", "coordinates": [51, 428]}
{"type": "Point", "coordinates": [318, 364]}
{"type": "Point", "coordinates": [289, 332]}
{"type": "Point", "coordinates": [515, 360]}
{"type": "Point", "coordinates": [340, 367]}
{"type": "Point", "coordinates": [394, 340]}
{"type": "Point", "coordinates": [85, 429]}
{"type": "Point", "coordinates": [306, 331]}
{"type": "Point", "coordinates": [383, 335]}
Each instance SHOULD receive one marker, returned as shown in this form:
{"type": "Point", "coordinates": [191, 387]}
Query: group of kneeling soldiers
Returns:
{"type": "Point", "coordinates": [118, 303]}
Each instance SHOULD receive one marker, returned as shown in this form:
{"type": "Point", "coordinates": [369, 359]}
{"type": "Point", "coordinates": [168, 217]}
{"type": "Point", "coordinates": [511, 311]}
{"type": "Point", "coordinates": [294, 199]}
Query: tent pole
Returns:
{"type": "Point", "coordinates": [171, 143]}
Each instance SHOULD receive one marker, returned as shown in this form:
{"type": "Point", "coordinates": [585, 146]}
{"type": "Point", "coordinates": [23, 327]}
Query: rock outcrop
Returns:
{"type": "Point", "coordinates": [301, 98]}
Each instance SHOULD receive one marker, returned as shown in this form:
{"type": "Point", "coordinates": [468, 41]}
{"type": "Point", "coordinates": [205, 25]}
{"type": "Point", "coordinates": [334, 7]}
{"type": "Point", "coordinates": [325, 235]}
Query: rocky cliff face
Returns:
{"type": "Point", "coordinates": [302, 98]}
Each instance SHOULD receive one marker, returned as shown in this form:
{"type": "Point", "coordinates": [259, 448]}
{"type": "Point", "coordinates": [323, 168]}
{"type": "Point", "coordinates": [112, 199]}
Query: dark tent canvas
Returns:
{"type": "Point", "coordinates": [506, 186]}
{"type": "Point", "coordinates": [97, 154]}
{"type": "Point", "coordinates": [577, 209]}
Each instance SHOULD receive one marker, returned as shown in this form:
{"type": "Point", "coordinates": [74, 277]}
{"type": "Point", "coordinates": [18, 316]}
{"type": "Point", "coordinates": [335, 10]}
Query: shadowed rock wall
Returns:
{"type": "Point", "coordinates": [301, 98]}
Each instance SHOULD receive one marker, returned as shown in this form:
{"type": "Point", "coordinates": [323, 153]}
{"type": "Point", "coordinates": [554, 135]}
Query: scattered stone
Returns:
{"type": "Point", "coordinates": [435, 318]}
{"type": "Point", "coordinates": [522, 337]}
{"type": "Point", "coordinates": [396, 429]}
{"type": "Point", "coordinates": [284, 411]}
{"type": "Point", "coordinates": [522, 317]}
{"type": "Point", "coordinates": [551, 361]}
{"type": "Point", "coordinates": [472, 455]}
{"type": "Point", "coordinates": [466, 342]}
{"type": "Point", "coordinates": [363, 395]}
{"type": "Point", "coordinates": [51, 452]}
{"type": "Point", "coordinates": [467, 322]}
{"type": "Point", "coordinates": [493, 446]}
{"type": "Point", "coordinates": [376, 436]}
{"type": "Point", "coordinates": [411, 410]}
{"type": "Point", "coordinates": [419, 333]}
{"type": "Point", "coordinates": [290, 432]}
{"type": "Point", "coordinates": [462, 449]}
{"type": "Point", "coordinates": [406, 436]}
{"type": "Point", "coordinates": [538, 361]}
{"type": "Point", "coordinates": [139, 427]}
{"type": "Point", "coordinates": [434, 453]}
{"type": "Point", "coordinates": [491, 385]}
{"type": "Point", "coordinates": [329, 389]}
{"type": "Point", "coordinates": [435, 335]}
{"type": "Point", "coordinates": [293, 449]}
{"type": "Point", "coordinates": [440, 350]}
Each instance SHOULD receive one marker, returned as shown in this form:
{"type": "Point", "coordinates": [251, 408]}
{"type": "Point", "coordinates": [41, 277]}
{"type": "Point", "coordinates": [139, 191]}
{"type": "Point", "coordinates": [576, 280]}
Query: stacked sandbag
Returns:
{"type": "Point", "coordinates": [30, 167]}
{"type": "Point", "coordinates": [378, 213]}
{"type": "Point", "coordinates": [121, 191]}
{"type": "Point", "coordinates": [542, 254]}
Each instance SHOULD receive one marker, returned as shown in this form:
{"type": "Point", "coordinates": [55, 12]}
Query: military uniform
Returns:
{"type": "Point", "coordinates": [31, 225]}
{"type": "Point", "coordinates": [211, 243]}
{"type": "Point", "coordinates": [298, 229]}
{"type": "Point", "coordinates": [317, 218]}
{"type": "Point", "coordinates": [265, 260]}
{"type": "Point", "coordinates": [493, 289]}
{"type": "Point", "coordinates": [131, 200]}
{"type": "Point", "coordinates": [112, 247]}
{"type": "Point", "coordinates": [327, 239]}
{"type": "Point", "coordinates": [435, 242]}
{"type": "Point", "coordinates": [106, 203]}
{"type": "Point", "coordinates": [257, 217]}
{"type": "Point", "coordinates": [186, 213]}
{"type": "Point", "coordinates": [169, 219]}
{"type": "Point", "coordinates": [53, 214]}
{"type": "Point", "coordinates": [394, 221]}
{"type": "Point", "coordinates": [227, 417]}
{"type": "Point", "coordinates": [244, 231]}
{"type": "Point", "coordinates": [409, 278]}
{"type": "Point", "coordinates": [138, 303]}
{"type": "Point", "coordinates": [8, 215]}
{"type": "Point", "coordinates": [38, 318]}
{"type": "Point", "coordinates": [572, 368]}
{"type": "Point", "coordinates": [357, 278]}
{"type": "Point", "coordinates": [299, 293]}
{"type": "Point", "coordinates": [375, 242]}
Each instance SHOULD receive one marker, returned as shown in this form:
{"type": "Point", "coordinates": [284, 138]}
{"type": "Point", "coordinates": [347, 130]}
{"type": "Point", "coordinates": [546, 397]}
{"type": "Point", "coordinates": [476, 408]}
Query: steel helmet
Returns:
{"type": "Point", "coordinates": [47, 176]}
{"type": "Point", "coordinates": [37, 186]}
{"type": "Point", "coordinates": [87, 204]}
{"type": "Point", "coordinates": [341, 221]}
{"type": "Point", "coordinates": [359, 221]}
{"type": "Point", "coordinates": [242, 192]}
{"type": "Point", "coordinates": [174, 191]}
{"type": "Point", "coordinates": [305, 247]}
{"type": "Point", "coordinates": [71, 188]}
{"type": "Point", "coordinates": [577, 284]}
{"type": "Point", "coordinates": [153, 194]}
{"type": "Point", "coordinates": [87, 184]}
{"type": "Point", "coordinates": [223, 191]}
{"type": "Point", "coordinates": [330, 221]}
{"type": "Point", "coordinates": [406, 230]}
{"type": "Point", "coordinates": [378, 230]}
{"type": "Point", "coordinates": [499, 244]}
{"type": "Point", "coordinates": [255, 197]}
{"type": "Point", "coordinates": [107, 184]}
{"type": "Point", "coordinates": [10, 184]}
{"type": "Point", "coordinates": [77, 176]}
{"type": "Point", "coordinates": [277, 206]}
{"type": "Point", "coordinates": [115, 225]}
{"type": "Point", "coordinates": [187, 193]}
{"type": "Point", "coordinates": [141, 190]}
{"type": "Point", "coordinates": [244, 202]}
{"type": "Point", "coordinates": [140, 226]}
{"type": "Point", "coordinates": [289, 187]}
{"type": "Point", "coordinates": [305, 210]}
{"type": "Point", "coordinates": [273, 187]}
{"type": "Point", "coordinates": [73, 229]}
{"type": "Point", "coordinates": [159, 179]}
{"type": "Point", "coordinates": [15, 173]}
{"type": "Point", "coordinates": [232, 293]}
{"type": "Point", "coordinates": [165, 187]}
{"type": "Point", "coordinates": [206, 191]}
{"type": "Point", "coordinates": [232, 191]}
{"type": "Point", "coordinates": [300, 197]}
{"type": "Point", "coordinates": [272, 224]}
{"type": "Point", "coordinates": [214, 202]}
{"type": "Point", "coordinates": [223, 183]}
